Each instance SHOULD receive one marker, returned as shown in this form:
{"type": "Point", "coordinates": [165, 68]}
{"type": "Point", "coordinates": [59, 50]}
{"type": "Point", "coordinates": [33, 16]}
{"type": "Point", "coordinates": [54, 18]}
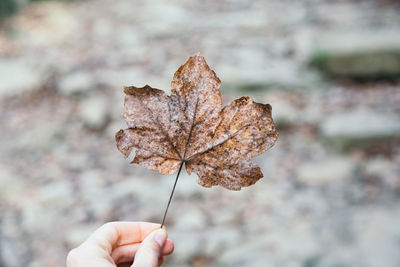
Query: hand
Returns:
{"type": "Point", "coordinates": [120, 244]}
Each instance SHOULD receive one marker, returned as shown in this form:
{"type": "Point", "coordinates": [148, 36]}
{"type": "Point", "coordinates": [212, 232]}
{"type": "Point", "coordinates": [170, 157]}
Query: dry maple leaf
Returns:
{"type": "Point", "coordinates": [190, 126]}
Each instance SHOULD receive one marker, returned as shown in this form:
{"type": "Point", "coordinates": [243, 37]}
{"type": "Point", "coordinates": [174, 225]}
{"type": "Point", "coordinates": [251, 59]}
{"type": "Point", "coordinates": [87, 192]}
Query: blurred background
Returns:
{"type": "Point", "coordinates": [331, 192]}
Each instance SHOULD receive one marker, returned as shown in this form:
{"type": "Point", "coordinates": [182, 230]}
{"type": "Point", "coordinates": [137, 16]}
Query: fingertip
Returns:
{"type": "Point", "coordinates": [151, 249]}
{"type": "Point", "coordinates": [168, 247]}
{"type": "Point", "coordinates": [160, 236]}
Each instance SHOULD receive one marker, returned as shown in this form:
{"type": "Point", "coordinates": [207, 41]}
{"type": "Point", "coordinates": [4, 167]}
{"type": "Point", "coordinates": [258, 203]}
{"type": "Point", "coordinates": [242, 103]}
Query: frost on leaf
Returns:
{"type": "Point", "coordinates": [190, 126]}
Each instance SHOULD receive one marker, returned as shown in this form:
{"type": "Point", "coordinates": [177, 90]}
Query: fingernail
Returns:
{"type": "Point", "coordinates": [160, 236]}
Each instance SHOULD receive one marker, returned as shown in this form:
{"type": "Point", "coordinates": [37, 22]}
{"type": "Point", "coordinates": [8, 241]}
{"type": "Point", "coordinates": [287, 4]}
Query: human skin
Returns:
{"type": "Point", "coordinates": [136, 244]}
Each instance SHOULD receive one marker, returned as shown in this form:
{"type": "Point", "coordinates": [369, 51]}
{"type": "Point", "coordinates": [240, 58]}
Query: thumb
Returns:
{"type": "Point", "coordinates": [150, 249]}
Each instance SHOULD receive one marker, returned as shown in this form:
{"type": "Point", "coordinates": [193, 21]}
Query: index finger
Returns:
{"type": "Point", "coordinates": [115, 234]}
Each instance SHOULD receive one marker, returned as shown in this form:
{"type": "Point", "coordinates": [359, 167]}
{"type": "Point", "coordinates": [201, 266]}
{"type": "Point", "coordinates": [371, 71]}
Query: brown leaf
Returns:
{"type": "Point", "coordinates": [191, 126]}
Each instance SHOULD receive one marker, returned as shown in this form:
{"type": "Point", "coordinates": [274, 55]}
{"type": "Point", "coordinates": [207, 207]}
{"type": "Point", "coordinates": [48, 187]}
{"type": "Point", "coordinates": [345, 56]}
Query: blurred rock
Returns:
{"type": "Point", "coordinates": [95, 195]}
{"type": "Point", "coordinates": [50, 22]}
{"type": "Point", "coordinates": [115, 126]}
{"type": "Point", "coordinates": [360, 127]}
{"type": "Point", "coordinates": [92, 184]}
{"type": "Point", "coordinates": [247, 253]}
{"type": "Point", "coordinates": [13, 252]}
{"type": "Point", "coordinates": [284, 243]}
{"type": "Point", "coordinates": [42, 137]}
{"type": "Point", "coordinates": [31, 219]}
{"type": "Point", "coordinates": [78, 234]}
{"type": "Point", "coordinates": [94, 112]}
{"type": "Point", "coordinates": [192, 219]}
{"type": "Point", "coordinates": [77, 161]}
{"type": "Point", "coordinates": [248, 77]}
{"type": "Point", "coordinates": [16, 76]}
{"type": "Point", "coordinates": [187, 245]}
{"type": "Point", "coordinates": [11, 186]}
{"type": "Point", "coordinates": [78, 83]}
{"type": "Point", "coordinates": [377, 167]}
{"type": "Point", "coordinates": [142, 191]}
{"type": "Point", "coordinates": [188, 186]}
{"type": "Point", "coordinates": [220, 239]}
{"type": "Point", "coordinates": [128, 187]}
{"type": "Point", "coordinates": [379, 235]}
{"type": "Point", "coordinates": [226, 218]}
{"type": "Point", "coordinates": [326, 171]}
{"type": "Point", "coordinates": [380, 170]}
{"type": "Point", "coordinates": [55, 191]}
{"type": "Point", "coordinates": [284, 114]}
{"type": "Point", "coordinates": [127, 37]}
{"type": "Point", "coordinates": [362, 55]}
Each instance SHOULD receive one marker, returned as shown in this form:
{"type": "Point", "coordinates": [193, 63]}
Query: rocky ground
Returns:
{"type": "Point", "coordinates": [331, 192]}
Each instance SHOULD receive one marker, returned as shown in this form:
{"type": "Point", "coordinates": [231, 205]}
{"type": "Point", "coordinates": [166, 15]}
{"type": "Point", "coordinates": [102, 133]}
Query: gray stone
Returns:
{"type": "Point", "coordinates": [78, 234]}
{"type": "Point", "coordinates": [77, 161]}
{"type": "Point", "coordinates": [360, 127]}
{"type": "Point", "coordinates": [17, 76]}
{"type": "Point", "coordinates": [64, 26]}
{"type": "Point", "coordinates": [284, 114]}
{"type": "Point", "coordinates": [191, 219]}
{"type": "Point", "coordinates": [126, 76]}
{"type": "Point", "coordinates": [31, 219]}
{"type": "Point", "coordinates": [379, 235]}
{"type": "Point", "coordinates": [226, 218]}
{"type": "Point", "coordinates": [188, 187]}
{"type": "Point", "coordinates": [95, 193]}
{"type": "Point", "coordinates": [14, 241]}
{"type": "Point", "coordinates": [359, 54]}
{"type": "Point", "coordinates": [383, 169]}
{"type": "Point", "coordinates": [187, 245]}
{"type": "Point", "coordinates": [244, 254]}
{"type": "Point", "coordinates": [127, 36]}
{"type": "Point", "coordinates": [221, 238]}
{"type": "Point", "coordinates": [247, 77]}
{"type": "Point", "coordinates": [11, 186]}
{"type": "Point", "coordinates": [115, 126]}
{"type": "Point", "coordinates": [326, 171]}
{"type": "Point", "coordinates": [56, 191]}
{"type": "Point", "coordinates": [94, 112]}
{"type": "Point", "coordinates": [169, 15]}
{"type": "Point", "coordinates": [76, 83]}
{"type": "Point", "coordinates": [283, 243]}
{"type": "Point", "coordinates": [92, 184]}
{"type": "Point", "coordinates": [378, 167]}
{"type": "Point", "coordinates": [145, 191]}
{"type": "Point", "coordinates": [42, 137]}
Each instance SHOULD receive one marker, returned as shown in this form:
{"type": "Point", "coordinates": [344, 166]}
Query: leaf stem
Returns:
{"type": "Point", "coordinates": [172, 193]}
